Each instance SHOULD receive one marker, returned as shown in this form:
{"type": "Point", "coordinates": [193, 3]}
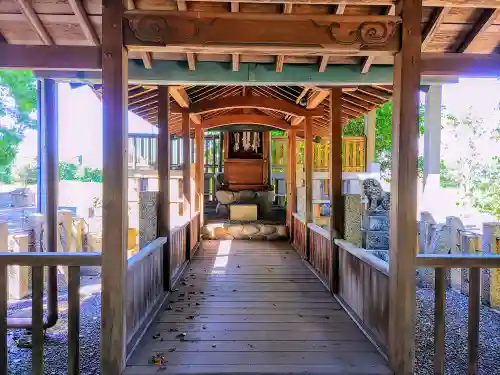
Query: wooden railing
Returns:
{"type": "Point", "coordinates": [145, 292]}
{"type": "Point", "coordinates": [299, 235]}
{"type": "Point", "coordinates": [38, 261]}
{"type": "Point", "coordinates": [178, 250]}
{"type": "Point", "coordinates": [195, 233]}
{"type": "Point", "coordinates": [320, 255]}
{"type": "Point", "coordinates": [441, 263]}
{"type": "Point", "coordinates": [364, 290]}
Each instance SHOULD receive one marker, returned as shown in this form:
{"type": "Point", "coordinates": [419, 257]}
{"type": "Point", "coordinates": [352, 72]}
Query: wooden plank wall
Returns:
{"type": "Point", "coordinates": [321, 254]}
{"type": "Point", "coordinates": [178, 247]}
{"type": "Point", "coordinates": [299, 235]}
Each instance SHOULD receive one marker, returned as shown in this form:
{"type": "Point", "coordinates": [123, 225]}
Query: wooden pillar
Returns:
{"type": "Point", "coordinates": [164, 154]}
{"type": "Point", "coordinates": [221, 151]}
{"type": "Point", "coordinates": [48, 157]}
{"type": "Point", "coordinates": [200, 169]}
{"type": "Point", "coordinates": [292, 179]}
{"type": "Point", "coordinates": [336, 198]}
{"type": "Point", "coordinates": [403, 216]}
{"type": "Point", "coordinates": [266, 145]}
{"type": "Point", "coordinates": [308, 165]}
{"type": "Point", "coordinates": [115, 190]}
{"type": "Point", "coordinates": [186, 177]}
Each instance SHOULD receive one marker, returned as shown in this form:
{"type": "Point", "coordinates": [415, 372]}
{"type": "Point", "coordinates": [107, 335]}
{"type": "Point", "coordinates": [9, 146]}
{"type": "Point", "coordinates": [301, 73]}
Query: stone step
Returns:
{"type": "Point", "coordinates": [248, 231]}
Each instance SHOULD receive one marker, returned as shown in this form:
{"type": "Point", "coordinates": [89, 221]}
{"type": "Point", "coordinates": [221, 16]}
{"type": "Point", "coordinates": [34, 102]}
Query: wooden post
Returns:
{"type": "Point", "coordinates": [164, 155]}
{"type": "Point", "coordinates": [292, 179]}
{"type": "Point", "coordinates": [336, 198]}
{"type": "Point", "coordinates": [186, 178]}
{"type": "Point", "coordinates": [200, 169]}
{"type": "Point", "coordinates": [403, 230]}
{"type": "Point", "coordinates": [308, 165]}
{"type": "Point", "coordinates": [266, 145]}
{"type": "Point", "coordinates": [115, 190]}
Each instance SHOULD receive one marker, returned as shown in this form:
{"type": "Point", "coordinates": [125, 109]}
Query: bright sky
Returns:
{"type": "Point", "coordinates": [80, 117]}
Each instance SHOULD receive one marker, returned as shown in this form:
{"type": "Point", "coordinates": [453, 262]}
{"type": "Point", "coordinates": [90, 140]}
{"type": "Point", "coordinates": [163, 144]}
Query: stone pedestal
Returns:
{"type": "Point", "coordinates": [243, 212]}
{"type": "Point", "coordinates": [352, 217]}
{"type": "Point", "coordinates": [148, 217]}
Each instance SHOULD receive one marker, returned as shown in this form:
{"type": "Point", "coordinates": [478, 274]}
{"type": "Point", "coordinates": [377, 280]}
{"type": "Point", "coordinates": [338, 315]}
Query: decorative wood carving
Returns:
{"type": "Point", "coordinates": [174, 31]}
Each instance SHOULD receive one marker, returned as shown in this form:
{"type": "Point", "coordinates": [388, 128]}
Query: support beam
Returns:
{"type": "Point", "coordinates": [370, 133]}
{"type": "Point", "coordinates": [180, 95]}
{"type": "Point", "coordinates": [432, 144]}
{"type": "Point", "coordinates": [164, 155]}
{"type": "Point", "coordinates": [308, 173]}
{"type": "Point", "coordinates": [84, 21]}
{"type": "Point", "coordinates": [292, 178]}
{"type": "Point", "coordinates": [186, 176]}
{"type": "Point", "coordinates": [115, 191]}
{"type": "Point", "coordinates": [147, 59]}
{"type": "Point", "coordinates": [200, 170]}
{"type": "Point", "coordinates": [336, 198]}
{"type": "Point", "coordinates": [403, 215]}
{"type": "Point", "coordinates": [16, 56]}
{"type": "Point", "coordinates": [35, 22]}
{"type": "Point", "coordinates": [280, 59]}
{"type": "Point", "coordinates": [433, 25]}
{"type": "Point", "coordinates": [223, 120]}
{"type": "Point", "coordinates": [257, 33]}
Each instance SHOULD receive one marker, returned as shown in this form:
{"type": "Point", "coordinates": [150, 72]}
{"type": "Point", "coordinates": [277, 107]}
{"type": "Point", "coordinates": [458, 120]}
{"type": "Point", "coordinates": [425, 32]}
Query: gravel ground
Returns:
{"type": "Point", "coordinates": [56, 339]}
{"type": "Point", "coordinates": [456, 335]}
{"type": "Point", "coordinates": [55, 354]}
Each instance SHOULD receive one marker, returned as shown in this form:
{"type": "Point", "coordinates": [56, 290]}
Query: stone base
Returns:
{"type": "Point", "coordinates": [251, 231]}
{"type": "Point", "coordinates": [243, 212]}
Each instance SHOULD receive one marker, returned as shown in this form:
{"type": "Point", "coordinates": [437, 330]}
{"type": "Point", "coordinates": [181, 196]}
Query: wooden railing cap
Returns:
{"type": "Point", "coordinates": [50, 259]}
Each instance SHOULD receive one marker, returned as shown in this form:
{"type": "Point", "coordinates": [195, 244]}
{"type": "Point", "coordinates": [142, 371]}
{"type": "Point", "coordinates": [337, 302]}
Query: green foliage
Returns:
{"type": "Point", "coordinates": [71, 172]}
{"type": "Point", "coordinates": [487, 191]}
{"type": "Point", "coordinates": [354, 128]}
{"type": "Point", "coordinates": [18, 98]}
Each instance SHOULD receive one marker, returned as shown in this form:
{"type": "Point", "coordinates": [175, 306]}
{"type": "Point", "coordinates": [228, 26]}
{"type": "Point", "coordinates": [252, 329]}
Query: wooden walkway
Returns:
{"type": "Point", "coordinates": [253, 308]}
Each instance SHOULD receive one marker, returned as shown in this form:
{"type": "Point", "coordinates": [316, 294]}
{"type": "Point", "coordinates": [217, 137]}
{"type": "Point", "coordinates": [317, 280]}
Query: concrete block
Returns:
{"type": "Point", "coordinates": [243, 212]}
{"type": "Point", "coordinates": [19, 276]}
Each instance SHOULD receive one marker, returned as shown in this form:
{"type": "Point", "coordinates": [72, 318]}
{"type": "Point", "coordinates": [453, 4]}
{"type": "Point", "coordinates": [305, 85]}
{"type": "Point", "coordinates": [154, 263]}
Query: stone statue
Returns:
{"type": "Point", "coordinates": [373, 191]}
{"type": "Point", "coordinates": [386, 201]}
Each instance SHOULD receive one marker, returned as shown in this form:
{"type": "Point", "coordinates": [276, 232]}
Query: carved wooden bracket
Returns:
{"type": "Point", "coordinates": [267, 33]}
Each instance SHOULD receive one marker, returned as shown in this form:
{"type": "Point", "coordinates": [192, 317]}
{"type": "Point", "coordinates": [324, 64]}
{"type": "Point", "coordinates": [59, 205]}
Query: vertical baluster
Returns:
{"type": "Point", "coordinates": [439, 321]}
{"type": "Point", "coordinates": [74, 320]}
{"type": "Point", "coordinates": [3, 318]}
{"type": "Point", "coordinates": [37, 320]}
{"type": "Point", "coordinates": [474, 294]}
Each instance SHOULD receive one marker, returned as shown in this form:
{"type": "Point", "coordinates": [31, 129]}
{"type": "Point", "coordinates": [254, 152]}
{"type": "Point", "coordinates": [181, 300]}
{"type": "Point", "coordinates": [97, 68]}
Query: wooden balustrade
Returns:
{"type": "Point", "coordinates": [178, 251]}
{"type": "Point", "coordinates": [299, 235]}
{"type": "Point", "coordinates": [320, 255]}
{"type": "Point", "coordinates": [441, 263]}
{"type": "Point", "coordinates": [364, 290]}
{"type": "Point", "coordinates": [353, 154]}
{"type": "Point", "coordinates": [145, 292]}
{"type": "Point", "coordinates": [195, 233]}
{"type": "Point", "coordinates": [38, 261]}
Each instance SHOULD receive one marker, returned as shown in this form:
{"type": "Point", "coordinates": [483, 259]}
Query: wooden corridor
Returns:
{"type": "Point", "coordinates": [253, 307]}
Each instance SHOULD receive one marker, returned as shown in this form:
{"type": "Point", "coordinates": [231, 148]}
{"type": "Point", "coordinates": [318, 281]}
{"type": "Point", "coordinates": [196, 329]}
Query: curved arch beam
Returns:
{"type": "Point", "coordinates": [223, 120]}
{"type": "Point", "coordinates": [260, 102]}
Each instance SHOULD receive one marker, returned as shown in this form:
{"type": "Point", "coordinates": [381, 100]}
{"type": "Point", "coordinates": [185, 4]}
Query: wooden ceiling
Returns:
{"type": "Point", "coordinates": [460, 26]}
{"type": "Point", "coordinates": [143, 101]}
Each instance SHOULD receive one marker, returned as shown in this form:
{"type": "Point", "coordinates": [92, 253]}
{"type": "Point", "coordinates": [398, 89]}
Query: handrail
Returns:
{"type": "Point", "coordinates": [50, 259]}
{"type": "Point", "coordinates": [299, 217]}
{"type": "Point", "coordinates": [146, 251]}
{"type": "Point", "coordinates": [458, 261]}
{"type": "Point", "coordinates": [364, 256]}
{"type": "Point", "coordinates": [321, 231]}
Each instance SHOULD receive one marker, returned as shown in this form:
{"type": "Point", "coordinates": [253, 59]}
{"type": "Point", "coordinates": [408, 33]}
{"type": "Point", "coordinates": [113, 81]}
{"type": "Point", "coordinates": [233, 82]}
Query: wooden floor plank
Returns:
{"type": "Point", "coordinates": [245, 307]}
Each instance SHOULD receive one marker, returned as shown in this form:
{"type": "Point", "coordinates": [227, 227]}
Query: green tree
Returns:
{"type": "Point", "coordinates": [17, 107]}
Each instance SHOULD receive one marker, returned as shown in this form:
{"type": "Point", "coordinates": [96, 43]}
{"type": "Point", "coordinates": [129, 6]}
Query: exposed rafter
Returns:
{"type": "Point", "coordinates": [280, 59]}
{"type": "Point", "coordinates": [181, 97]}
{"type": "Point", "coordinates": [83, 19]}
{"type": "Point", "coordinates": [235, 8]}
{"type": "Point", "coordinates": [35, 22]}
{"type": "Point", "coordinates": [433, 25]}
{"type": "Point", "coordinates": [147, 60]}
{"type": "Point", "coordinates": [253, 119]}
{"type": "Point", "coordinates": [484, 22]}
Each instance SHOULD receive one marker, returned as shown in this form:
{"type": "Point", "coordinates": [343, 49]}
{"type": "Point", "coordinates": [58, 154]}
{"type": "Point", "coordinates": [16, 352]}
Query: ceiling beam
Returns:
{"type": "Point", "coordinates": [17, 56]}
{"type": "Point", "coordinates": [35, 22]}
{"type": "Point", "coordinates": [280, 59]}
{"type": "Point", "coordinates": [259, 33]}
{"type": "Point", "coordinates": [147, 59]}
{"type": "Point", "coordinates": [84, 21]}
{"type": "Point", "coordinates": [250, 119]}
{"type": "Point", "coordinates": [461, 65]}
{"type": "Point", "coordinates": [182, 98]}
{"type": "Point", "coordinates": [258, 102]}
{"type": "Point", "coordinates": [427, 3]}
{"type": "Point", "coordinates": [190, 56]}
{"type": "Point", "coordinates": [368, 61]}
{"type": "Point", "coordinates": [487, 18]}
{"type": "Point", "coordinates": [316, 98]}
